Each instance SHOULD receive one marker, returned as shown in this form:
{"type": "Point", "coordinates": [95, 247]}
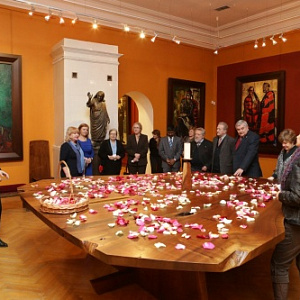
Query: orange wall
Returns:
{"type": "Point", "coordinates": [144, 67]}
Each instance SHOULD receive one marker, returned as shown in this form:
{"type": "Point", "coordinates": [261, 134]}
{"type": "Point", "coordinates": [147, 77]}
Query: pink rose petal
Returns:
{"type": "Point", "coordinates": [82, 218]}
{"type": "Point", "coordinates": [152, 237]}
{"type": "Point", "coordinates": [208, 245]}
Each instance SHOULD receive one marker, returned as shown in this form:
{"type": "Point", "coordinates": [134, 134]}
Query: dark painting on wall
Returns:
{"type": "Point", "coordinates": [186, 105]}
{"type": "Point", "coordinates": [11, 137]}
{"type": "Point", "coordinates": [260, 101]}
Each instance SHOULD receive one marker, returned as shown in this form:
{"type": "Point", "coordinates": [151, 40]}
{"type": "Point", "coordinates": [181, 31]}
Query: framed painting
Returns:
{"type": "Point", "coordinates": [186, 105]}
{"type": "Point", "coordinates": [260, 102]}
{"type": "Point", "coordinates": [11, 136]}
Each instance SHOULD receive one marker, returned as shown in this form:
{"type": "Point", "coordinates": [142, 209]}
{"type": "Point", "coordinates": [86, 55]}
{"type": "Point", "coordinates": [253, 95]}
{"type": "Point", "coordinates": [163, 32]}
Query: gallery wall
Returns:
{"type": "Point", "coordinates": [226, 110]}
{"type": "Point", "coordinates": [144, 68]}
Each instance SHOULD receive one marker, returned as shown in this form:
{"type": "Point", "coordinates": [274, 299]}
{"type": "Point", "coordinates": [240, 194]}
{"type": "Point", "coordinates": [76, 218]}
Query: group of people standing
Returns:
{"type": "Point", "coordinates": [77, 153]}
{"type": "Point", "coordinates": [224, 154]}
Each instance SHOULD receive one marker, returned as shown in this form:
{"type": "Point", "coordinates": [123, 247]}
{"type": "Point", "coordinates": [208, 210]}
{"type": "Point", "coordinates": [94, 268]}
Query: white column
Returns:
{"type": "Point", "coordinates": [81, 67]}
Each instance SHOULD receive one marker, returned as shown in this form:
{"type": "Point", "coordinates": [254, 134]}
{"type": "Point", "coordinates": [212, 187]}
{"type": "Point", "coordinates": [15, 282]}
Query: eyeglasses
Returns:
{"type": "Point", "coordinates": [137, 127]}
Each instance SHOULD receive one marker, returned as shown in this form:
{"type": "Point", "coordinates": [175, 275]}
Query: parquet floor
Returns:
{"type": "Point", "coordinates": [40, 264]}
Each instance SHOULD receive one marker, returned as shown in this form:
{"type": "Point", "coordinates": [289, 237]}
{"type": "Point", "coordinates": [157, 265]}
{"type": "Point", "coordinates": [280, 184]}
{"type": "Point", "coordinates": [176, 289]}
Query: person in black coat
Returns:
{"type": "Point", "coordinates": [137, 149]}
{"type": "Point", "coordinates": [201, 152]}
{"type": "Point", "coordinates": [155, 159]}
{"type": "Point", "coordinates": [245, 154]}
{"type": "Point", "coordinates": [111, 153]}
{"type": "Point", "coordinates": [72, 154]}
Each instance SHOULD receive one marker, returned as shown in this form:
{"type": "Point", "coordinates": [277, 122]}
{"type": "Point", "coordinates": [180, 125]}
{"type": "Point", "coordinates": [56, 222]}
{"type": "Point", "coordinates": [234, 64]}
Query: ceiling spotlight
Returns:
{"type": "Point", "coordinates": [61, 19]}
{"type": "Point", "coordinates": [216, 52]}
{"type": "Point", "coordinates": [154, 38]}
{"type": "Point", "coordinates": [263, 43]}
{"type": "Point", "coordinates": [31, 12]}
{"type": "Point", "coordinates": [175, 40]}
{"type": "Point", "coordinates": [74, 20]}
{"type": "Point", "coordinates": [48, 16]}
{"type": "Point", "coordinates": [283, 38]}
{"type": "Point", "coordinates": [126, 28]}
{"type": "Point", "coordinates": [256, 44]}
{"type": "Point", "coordinates": [95, 24]}
{"type": "Point", "coordinates": [142, 35]}
{"type": "Point", "coordinates": [273, 40]}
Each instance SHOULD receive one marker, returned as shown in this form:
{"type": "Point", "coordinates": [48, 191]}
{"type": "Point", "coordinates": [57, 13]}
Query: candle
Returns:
{"type": "Point", "coordinates": [187, 151]}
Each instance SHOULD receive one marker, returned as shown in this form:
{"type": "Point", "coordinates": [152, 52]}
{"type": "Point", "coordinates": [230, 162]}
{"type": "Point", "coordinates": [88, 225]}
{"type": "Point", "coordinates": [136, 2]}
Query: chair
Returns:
{"type": "Point", "coordinates": [39, 161]}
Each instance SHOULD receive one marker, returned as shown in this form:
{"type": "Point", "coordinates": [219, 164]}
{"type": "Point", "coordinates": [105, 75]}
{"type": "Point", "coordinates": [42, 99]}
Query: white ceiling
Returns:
{"type": "Point", "coordinates": [194, 22]}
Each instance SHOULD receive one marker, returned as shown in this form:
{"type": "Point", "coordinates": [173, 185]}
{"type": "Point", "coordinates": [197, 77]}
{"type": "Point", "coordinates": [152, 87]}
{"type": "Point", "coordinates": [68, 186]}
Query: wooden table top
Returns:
{"type": "Point", "coordinates": [258, 229]}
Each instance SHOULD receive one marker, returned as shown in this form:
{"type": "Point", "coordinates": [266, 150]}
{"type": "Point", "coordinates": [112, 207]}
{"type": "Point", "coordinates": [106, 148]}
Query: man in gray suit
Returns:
{"type": "Point", "coordinates": [223, 147]}
{"type": "Point", "coordinates": [170, 149]}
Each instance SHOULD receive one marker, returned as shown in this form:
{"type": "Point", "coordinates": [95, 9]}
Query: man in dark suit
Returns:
{"type": "Point", "coordinates": [223, 147]}
{"type": "Point", "coordinates": [201, 152]}
{"type": "Point", "coordinates": [170, 149]}
{"type": "Point", "coordinates": [245, 155]}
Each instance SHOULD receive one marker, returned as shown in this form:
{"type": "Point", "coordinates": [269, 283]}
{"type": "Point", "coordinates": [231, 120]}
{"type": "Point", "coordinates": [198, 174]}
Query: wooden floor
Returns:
{"type": "Point", "coordinates": [40, 264]}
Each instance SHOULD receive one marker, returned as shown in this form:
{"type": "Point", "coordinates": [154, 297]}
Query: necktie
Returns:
{"type": "Point", "coordinates": [171, 142]}
{"type": "Point", "coordinates": [238, 142]}
{"type": "Point", "coordinates": [220, 141]}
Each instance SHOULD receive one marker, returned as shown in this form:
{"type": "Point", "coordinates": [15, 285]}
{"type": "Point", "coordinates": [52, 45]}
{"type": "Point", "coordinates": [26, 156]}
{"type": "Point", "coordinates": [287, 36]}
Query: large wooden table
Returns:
{"type": "Point", "coordinates": [167, 271]}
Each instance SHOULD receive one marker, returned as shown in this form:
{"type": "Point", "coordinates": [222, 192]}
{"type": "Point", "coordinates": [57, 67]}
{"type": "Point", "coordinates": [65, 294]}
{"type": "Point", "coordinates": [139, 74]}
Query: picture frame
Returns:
{"type": "Point", "coordinates": [260, 101]}
{"type": "Point", "coordinates": [11, 133]}
{"type": "Point", "coordinates": [186, 105]}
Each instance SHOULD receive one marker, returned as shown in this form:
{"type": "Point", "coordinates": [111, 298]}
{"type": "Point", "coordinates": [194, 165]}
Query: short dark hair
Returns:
{"type": "Point", "coordinates": [156, 132]}
{"type": "Point", "coordinates": [170, 128]}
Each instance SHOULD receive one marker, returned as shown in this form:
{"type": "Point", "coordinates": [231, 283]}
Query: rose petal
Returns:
{"type": "Point", "coordinates": [70, 221]}
{"type": "Point", "coordinates": [119, 233]}
{"type": "Point", "coordinates": [73, 216]}
{"type": "Point", "coordinates": [83, 218]}
{"type": "Point", "coordinates": [160, 245]}
{"type": "Point", "coordinates": [208, 245]}
{"type": "Point", "coordinates": [152, 236]}
{"type": "Point", "coordinates": [180, 247]}
{"type": "Point", "coordinates": [77, 223]}
{"type": "Point", "coordinates": [133, 235]}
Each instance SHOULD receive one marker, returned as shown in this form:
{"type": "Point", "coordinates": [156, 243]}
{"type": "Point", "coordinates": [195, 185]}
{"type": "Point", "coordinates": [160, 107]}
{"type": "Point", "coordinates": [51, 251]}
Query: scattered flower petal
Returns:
{"type": "Point", "coordinates": [208, 245]}
{"type": "Point", "coordinates": [180, 247]}
{"type": "Point", "coordinates": [119, 233]}
{"type": "Point", "coordinates": [160, 245]}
